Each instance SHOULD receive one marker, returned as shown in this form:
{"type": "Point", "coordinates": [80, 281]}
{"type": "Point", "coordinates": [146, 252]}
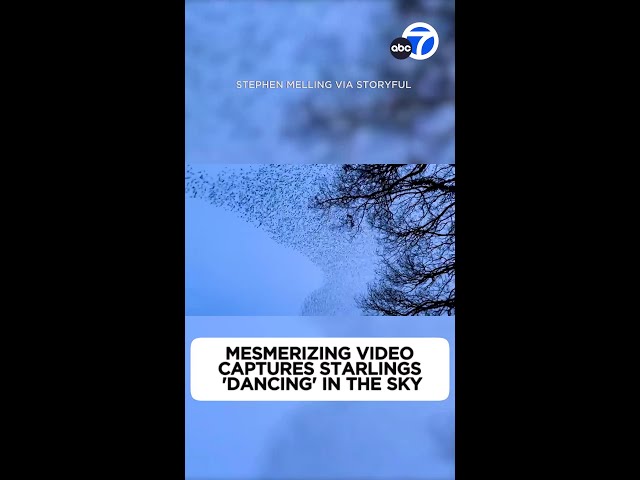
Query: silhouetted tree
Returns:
{"type": "Point", "coordinates": [412, 207]}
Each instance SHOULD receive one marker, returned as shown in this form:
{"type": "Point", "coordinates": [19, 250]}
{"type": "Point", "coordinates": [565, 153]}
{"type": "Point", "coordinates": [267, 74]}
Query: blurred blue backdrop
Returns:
{"type": "Point", "coordinates": [274, 261]}
{"type": "Point", "coordinates": [314, 440]}
{"type": "Point", "coordinates": [312, 40]}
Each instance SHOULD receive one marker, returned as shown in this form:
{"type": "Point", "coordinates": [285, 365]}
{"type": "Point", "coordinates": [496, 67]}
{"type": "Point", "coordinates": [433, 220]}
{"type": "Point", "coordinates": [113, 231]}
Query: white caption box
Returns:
{"type": "Point", "coordinates": [208, 382]}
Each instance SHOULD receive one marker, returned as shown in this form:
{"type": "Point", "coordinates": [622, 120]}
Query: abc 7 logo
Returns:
{"type": "Point", "coordinates": [424, 45]}
{"type": "Point", "coordinates": [400, 48]}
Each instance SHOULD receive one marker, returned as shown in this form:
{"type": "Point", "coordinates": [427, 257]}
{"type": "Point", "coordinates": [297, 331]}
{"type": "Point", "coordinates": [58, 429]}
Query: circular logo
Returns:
{"type": "Point", "coordinates": [423, 38]}
{"type": "Point", "coordinates": [400, 48]}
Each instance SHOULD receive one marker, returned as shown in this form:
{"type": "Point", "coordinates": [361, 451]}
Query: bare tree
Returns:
{"type": "Point", "coordinates": [412, 207]}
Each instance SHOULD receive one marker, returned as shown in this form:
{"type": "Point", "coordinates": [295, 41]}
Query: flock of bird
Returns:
{"type": "Point", "coordinates": [276, 199]}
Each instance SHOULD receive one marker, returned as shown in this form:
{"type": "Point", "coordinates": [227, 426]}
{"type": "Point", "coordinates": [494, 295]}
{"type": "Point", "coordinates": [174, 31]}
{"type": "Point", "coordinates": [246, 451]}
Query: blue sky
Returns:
{"type": "Point", "coordinates": [234, 268]}
{"type": "Point", "coordinates": [253, 247]}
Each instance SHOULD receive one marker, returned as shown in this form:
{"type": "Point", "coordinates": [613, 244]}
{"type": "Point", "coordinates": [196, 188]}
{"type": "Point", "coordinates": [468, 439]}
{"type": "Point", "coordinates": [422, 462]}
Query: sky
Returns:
{"type": "Point", "coordinates": [251, 237]}
{"type": "Point", "coordinates": [234, 268]}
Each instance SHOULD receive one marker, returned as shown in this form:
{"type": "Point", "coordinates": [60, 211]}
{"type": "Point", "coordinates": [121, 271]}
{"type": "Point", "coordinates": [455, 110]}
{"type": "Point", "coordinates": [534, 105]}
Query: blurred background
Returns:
{"type": "Point", "coordinates": [320, 440]}
{"type": "Point", "coordinates": [311, 40]}
{"type": "Point", "coordinates": [274, 261]}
